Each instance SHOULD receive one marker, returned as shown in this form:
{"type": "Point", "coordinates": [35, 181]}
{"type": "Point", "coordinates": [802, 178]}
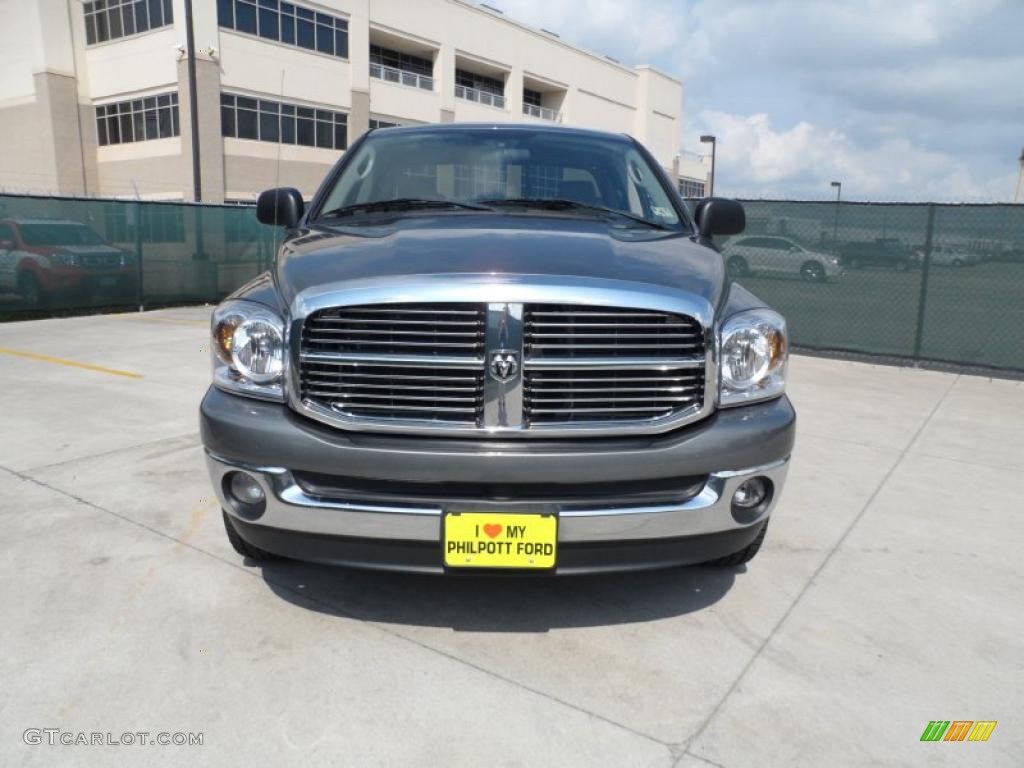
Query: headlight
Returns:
{"type": "Point", "coordinates": [248, 350]}
{"type": "Point", "coordinates": [64, 259]}
{"type": "Point", "coordinates": [754, 350]}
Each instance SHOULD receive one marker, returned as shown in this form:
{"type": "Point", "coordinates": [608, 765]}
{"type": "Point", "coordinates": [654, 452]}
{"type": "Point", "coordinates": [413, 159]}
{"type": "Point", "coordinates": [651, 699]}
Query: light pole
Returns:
{"type": "Point", "coordinates": [708, 139]}
{"type": "Point", "coordinates": [835, 226]}
{"type": "Point", "coordinates": [1020, 179]}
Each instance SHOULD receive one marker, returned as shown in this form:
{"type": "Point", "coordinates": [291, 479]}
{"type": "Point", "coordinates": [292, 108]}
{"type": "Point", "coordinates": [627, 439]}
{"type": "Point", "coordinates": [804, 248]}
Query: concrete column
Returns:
{"type": "Point", "coordinates": [514, 94]}
{"type": "Point", "coordinates": [211, 143]}
{"type": "Point", "coordinates": [444, 81]}
{"type": "Point", "coordinates": [359, 114]}
{"type": "Point", "coordinates": [57, 97]}
{"type": "Point", "coordinates": [359, 58]}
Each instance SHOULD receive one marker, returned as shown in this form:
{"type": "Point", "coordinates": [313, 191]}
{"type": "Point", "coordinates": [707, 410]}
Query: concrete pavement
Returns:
{"type": "Point", "coordinates": [887, 595]}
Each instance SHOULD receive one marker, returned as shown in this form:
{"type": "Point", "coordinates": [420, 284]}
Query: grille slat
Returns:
{"type": "Point", "coordinates": [560, 341]}
{"type": "Point", "coordinates": [396, 362]}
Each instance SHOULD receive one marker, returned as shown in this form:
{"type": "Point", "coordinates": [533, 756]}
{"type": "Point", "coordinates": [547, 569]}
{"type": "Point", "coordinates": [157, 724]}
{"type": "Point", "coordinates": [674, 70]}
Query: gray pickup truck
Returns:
{"type": "Point", "coordinates": [497, 348]}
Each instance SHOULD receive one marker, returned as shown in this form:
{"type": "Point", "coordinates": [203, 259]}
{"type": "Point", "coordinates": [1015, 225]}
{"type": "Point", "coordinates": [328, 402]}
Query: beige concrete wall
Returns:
{"type": "Point", "coordinates": [246, 176]}
{"type": "Point", "coordinates": [211, 143]}
{"type": "Point", "coordinates": [26, 163]}
{"type": "Point", "coordinates": [149, 176]}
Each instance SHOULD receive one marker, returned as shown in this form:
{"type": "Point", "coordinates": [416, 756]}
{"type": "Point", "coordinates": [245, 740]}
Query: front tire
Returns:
{"type": "Point", "coordinates": [31, 291]}
{"type": "Point", "coordinates": [241, 546]}
{"type": "Point", "coordinates": [745, 555]}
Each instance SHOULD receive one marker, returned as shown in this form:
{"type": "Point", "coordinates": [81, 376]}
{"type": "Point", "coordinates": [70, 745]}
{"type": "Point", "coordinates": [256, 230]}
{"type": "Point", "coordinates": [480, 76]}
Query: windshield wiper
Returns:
{"type": "Point", "coordinates": [402, 204]}
{"type": "Point", "coordinates": [563, 204]}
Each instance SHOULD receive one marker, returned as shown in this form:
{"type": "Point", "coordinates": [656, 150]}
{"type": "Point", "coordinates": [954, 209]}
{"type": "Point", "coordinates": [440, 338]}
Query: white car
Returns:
{"type": "Point", "coordinates": [763, 254]}
{"type": "Point", "coordinates": [950, 256]}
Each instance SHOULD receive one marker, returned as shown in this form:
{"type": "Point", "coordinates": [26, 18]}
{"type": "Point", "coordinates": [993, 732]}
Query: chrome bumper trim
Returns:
{"type": "Point", "coordinates": [288, 507]}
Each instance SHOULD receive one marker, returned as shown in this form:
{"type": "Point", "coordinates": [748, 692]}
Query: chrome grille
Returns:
{"type": "Point", "coordinates": [580, 396]}
{"type": "Point", "coordinates": [599, 364]}
{"type": "Point", "coordinates": [420, 362]}
{"type": "Point", "coordinates": [503, 368]}
{"type": "Point", "coordinates": [407, 329]}
{"type": "Point", "coordinates": [566, 331]}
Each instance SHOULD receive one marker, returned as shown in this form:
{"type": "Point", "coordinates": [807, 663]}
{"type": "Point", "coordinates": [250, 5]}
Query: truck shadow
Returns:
{"type": "Point", "coordinates": [499, 603]}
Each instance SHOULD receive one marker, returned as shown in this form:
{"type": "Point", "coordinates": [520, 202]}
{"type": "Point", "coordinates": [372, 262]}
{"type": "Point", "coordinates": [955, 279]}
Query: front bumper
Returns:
{"type": "Point", "coordinates": [393, 527]}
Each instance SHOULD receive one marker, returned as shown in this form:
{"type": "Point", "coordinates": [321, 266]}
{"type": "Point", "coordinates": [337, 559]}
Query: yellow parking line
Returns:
{"type": "Point", "coordinates": [71, 363]}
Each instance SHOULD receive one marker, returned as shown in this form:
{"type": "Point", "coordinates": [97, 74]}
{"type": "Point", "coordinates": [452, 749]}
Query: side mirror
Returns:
{"type": "Point", "coordinates": [281, 207]}
{"type": "Point", "coordinates": [719, 216]}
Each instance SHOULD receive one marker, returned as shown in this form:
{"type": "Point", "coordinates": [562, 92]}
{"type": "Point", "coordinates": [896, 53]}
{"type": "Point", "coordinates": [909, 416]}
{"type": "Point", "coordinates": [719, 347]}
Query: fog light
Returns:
{"type": "Point", "coordinates": [245, 489]}
{"type": "Point", "coordinates": [750, 495]}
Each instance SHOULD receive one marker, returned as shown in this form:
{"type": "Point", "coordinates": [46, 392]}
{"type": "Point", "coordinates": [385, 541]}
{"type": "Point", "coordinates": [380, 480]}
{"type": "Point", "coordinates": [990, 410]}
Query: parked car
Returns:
{"type": "Point", "coordinates": [40, 258]}
{"type": "Point", "coordinates": [763, 254]}
{"type": "Point", "coordinates": [497, 347]}
{"type": "Point", "coordinates": [890, 253]}
{"type": "Point", "coordinates": [952, 256]}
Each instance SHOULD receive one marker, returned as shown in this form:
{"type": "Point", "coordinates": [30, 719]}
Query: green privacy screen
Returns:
{"type": "Point", "coordinates": [924, 282]}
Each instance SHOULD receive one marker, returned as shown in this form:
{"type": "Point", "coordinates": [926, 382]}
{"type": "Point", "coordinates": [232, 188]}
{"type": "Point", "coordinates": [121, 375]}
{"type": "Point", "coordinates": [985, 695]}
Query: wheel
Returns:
{"type": "Point", "coordinates": [745, 555]}
{"type": "Point", "coordinates": [241, 546]}
{"type": "Point", "coordinates": [31, 291]}
{"type": "Point", "coordinates": [813, 272]}
{"type": "Point", "coordinates": [737, 266]}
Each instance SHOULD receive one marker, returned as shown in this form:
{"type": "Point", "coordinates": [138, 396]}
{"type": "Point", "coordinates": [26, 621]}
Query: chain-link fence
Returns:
{"type": "Point", "coordinates": [922, 281]}
{"type": "Point", "coordinates": [67, 255]}
{"type": "Point", "coordinates": [919, 281]}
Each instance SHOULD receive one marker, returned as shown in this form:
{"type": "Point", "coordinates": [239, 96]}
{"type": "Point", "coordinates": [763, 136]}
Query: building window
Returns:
{"type": "Point", "coordinates": [404, 68]}
{"type": "Point", "coordinates": [243, 117]}
{"type": "Point", "coordinates": [152, 117]}
{"type": "Point", "coordinates": [474, 87]}
{"type": "Point", "coordinates": [111, 19]}
{"type": "Point", "coordinates": [286, 23]}
{"type": "Point", "coordinates": [691, 188]}
{"type": "Point", "coordinates": [375, 123]}
{"type": "Point", "coordinates": [531, 97]}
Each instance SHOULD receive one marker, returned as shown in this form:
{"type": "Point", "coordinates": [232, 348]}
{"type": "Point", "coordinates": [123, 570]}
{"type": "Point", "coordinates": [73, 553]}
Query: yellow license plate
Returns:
{"type": "Point", "coordinates": [486, 540]}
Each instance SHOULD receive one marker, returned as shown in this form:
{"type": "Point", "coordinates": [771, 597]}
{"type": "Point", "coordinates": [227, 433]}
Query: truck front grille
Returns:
{"type": "Point", "coordinates": [555, 331]}
{"type": "Point", "coordinates": [409, 366]}
{"type": "Point", "coordinates": [396, 362]}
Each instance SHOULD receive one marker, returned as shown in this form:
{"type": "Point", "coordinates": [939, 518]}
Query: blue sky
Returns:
{"type": "Point", "coordinates": [900, 99]}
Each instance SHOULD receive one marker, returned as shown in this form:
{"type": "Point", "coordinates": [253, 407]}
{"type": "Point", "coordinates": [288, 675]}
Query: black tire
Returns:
{"type": "Point", "coordinates": [737, 266]}
{"type": "Point", "coordinates": [745, 555]}
{"type": "Point", "coordinates": [242, 547]}
{"type": "Point", "coordinates": [31, 292]}
{"type": "Point", "coordinates": [813, 272]}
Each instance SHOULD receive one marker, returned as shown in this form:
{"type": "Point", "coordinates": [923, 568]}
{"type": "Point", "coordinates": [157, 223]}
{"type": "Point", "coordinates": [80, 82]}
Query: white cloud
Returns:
{"type": "Point", "coordinates": [757, 160]}
{"type": "Point", "coordinates": [904, 99]}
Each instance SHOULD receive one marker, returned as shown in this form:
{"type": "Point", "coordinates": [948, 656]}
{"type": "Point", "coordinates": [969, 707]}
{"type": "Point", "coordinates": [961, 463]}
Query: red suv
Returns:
{"type": "Point", "coordinates": [43, 257]}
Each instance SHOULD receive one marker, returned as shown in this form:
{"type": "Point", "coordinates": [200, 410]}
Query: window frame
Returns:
{"type": "Point", "coordinates": [290, 23]}
{"type": "Point", "coordinates": [128, 117]}
{"type": "Point", "coordinates": [320, 127]}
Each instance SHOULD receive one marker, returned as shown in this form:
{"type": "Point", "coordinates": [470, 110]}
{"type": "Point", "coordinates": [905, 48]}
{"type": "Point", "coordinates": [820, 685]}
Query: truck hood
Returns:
{"type": "Point", "coordinates": [497, 245]}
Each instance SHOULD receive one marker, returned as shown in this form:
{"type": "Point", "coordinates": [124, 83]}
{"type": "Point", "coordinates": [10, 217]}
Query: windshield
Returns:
{"type": "Point", "coordinates": [517, 168]}
{"type": "Point", "coordinates": [59, 234]}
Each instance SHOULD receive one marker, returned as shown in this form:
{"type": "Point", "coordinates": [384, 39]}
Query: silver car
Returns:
{"type": "Point", "coordinates": [778, 255]}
